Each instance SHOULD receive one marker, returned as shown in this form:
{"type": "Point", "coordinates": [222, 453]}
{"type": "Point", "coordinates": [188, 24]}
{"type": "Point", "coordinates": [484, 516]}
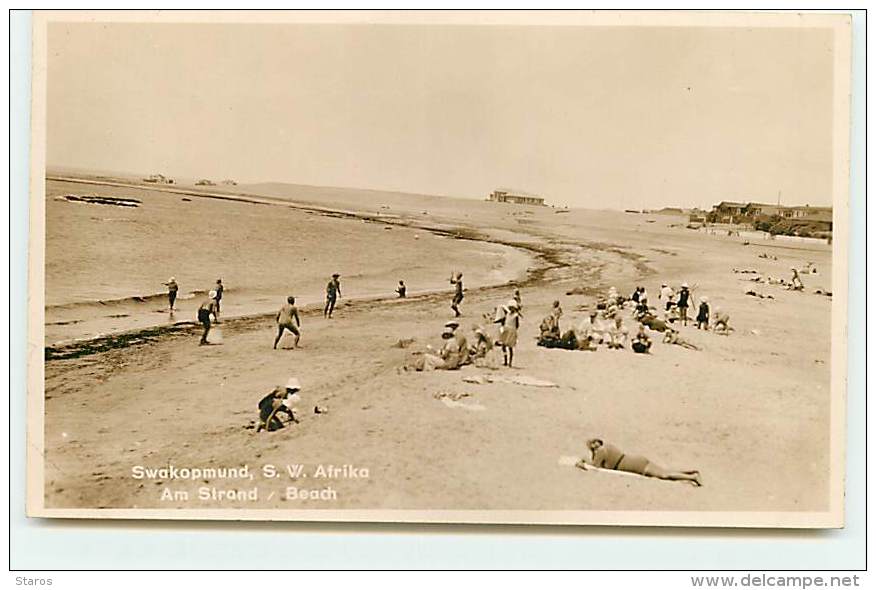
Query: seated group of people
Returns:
{"type": "Point", "coordinates": [455, 352]}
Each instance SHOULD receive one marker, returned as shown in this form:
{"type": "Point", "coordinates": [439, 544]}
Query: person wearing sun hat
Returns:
{"type": "Point", "coordinates": [282, 399]}
{"type": "Point", "coordinates": [683, 303]}
{"type": "Point", "coordinates": [207, 308]}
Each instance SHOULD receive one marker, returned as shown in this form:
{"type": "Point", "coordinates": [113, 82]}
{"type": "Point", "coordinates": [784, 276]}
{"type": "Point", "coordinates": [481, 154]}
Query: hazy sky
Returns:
{"type": "Point", "coordinates": [586, 116]}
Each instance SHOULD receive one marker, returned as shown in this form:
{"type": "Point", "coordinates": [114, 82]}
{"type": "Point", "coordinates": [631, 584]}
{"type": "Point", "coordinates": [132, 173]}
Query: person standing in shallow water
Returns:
{"type": "Point", "coordinates": [172, 290]}
{"type": "Point", "coordinates": [401, 290]}
{"type": "Point", "coordinates": [332, 292]}
{"type": "Point", "coordinates": [457, 296]}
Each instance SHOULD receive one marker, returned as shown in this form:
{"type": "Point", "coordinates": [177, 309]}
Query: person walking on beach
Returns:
{"type": "Point", "coordinates": [219, 288]}
{"type": "Point", "coordinates": [207, 308]}
{"type": "Point", "coordinates": [683, 303]}
{"type": "Point", "coordinates": [456, 279]}
{"type": "Point", "coordinates": [287, 319]}
{"type": "Point", "coordinates": [703, 314]}
{"type": "Point", "coordinates": [332, 292]}
{"type": "Point", "coordinates": [606, 456]}
{"type": "Point", "coordinates": [508, 332]}
{"type": "Point", "coordinates": [172, 289]}
{"type": "Point", "coordinates": [401, 290]}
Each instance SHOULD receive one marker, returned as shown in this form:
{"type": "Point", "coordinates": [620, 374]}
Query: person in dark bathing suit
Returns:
{"type": "Point", "coordinates": [457, 296]}
{"type": "Point", "coordinates": [606, 456]}
{"type": "Point", "coordinates": [332, 292]}
{"type": "Point", "coordinates": [172, 290]}
{"type": "Point", "coordinates": [219, 288]}
{"type": "Point", "coordinates": [207, 309]}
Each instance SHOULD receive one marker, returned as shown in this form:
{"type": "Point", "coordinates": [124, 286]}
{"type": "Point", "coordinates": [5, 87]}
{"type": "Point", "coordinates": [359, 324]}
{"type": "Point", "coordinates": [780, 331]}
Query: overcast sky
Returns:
{"type": "Point", "coordinates": [586, 116]}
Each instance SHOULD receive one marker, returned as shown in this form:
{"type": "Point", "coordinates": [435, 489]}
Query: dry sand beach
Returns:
{"type": "Point", "coordinates": [751, 410]}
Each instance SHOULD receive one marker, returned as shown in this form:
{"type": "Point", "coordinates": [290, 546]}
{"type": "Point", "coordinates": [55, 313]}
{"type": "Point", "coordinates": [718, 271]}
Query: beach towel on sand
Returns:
{"type": "Point", "coordinates": [516, 379]}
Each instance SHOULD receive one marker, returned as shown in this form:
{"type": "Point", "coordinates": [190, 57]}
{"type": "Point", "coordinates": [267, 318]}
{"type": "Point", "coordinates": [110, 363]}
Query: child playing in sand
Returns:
{"type": "Point", "coordinates": [280, 401]}
{"type": "Point", "coordinates": [285, 317]}
{"type": "Point", "coordinates": [606, 456]}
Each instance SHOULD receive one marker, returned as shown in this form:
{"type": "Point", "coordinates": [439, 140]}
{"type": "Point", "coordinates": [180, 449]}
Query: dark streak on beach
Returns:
{"type": "Point", "coordinates": [550, 260]}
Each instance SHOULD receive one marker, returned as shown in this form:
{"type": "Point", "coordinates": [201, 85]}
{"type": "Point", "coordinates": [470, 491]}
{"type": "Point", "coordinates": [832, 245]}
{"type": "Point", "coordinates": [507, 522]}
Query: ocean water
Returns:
{"type": "Point", "coordinates": [105, 264]}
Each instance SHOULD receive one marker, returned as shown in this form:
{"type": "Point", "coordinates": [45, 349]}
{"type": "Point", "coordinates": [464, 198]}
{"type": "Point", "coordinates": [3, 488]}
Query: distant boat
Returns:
{"type": "Point", "coordinates": [631, 211]}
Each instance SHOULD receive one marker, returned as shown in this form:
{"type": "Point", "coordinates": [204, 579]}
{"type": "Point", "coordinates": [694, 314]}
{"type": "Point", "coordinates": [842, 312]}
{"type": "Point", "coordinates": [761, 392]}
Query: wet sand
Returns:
{"type": "Point", "coordinates": [751, 411]}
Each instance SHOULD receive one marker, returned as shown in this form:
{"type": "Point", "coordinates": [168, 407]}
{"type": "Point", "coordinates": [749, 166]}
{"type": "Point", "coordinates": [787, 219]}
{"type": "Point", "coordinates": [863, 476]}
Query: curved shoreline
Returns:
{"type": "Point", "coordinates": [547, 255]}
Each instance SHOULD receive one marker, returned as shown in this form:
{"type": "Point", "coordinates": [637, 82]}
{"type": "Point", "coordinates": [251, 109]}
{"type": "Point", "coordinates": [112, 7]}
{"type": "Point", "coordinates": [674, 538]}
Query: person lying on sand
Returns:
{"type": "Point", "coordinates": [287, 319]}
{"type": "Point", "coordinates": [671, 336]}
{"type": "Point", "coordinates": [207, 308]}
{"type": "Point", "coordinates": [280, 401]}
{"type": "Point", "coordinates": [607, 456]}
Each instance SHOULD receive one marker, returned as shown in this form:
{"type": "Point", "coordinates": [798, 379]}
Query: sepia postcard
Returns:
{"type": "Point", "coordinates": [459, 267]}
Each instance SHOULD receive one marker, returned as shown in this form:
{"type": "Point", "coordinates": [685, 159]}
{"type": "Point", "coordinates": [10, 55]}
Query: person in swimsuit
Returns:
{"type": "Point", "coordinates": [457, 296]}
{"type": "Point", "coordinates": [207, 308]}
{"type": "Point", "coordinates": [172, 289]}
{"type": "Point", "coordinates": [287, 319]}
{"type": "Point", "coordinates": [606, 456]}
{"type": "Point", "coordinates": [401, 290]}
{"type": "Point", "coordinates": [671, 336]}
{"type": "Point", "coordinates": [219, 288]}
{"type": "Point", "coordinates": [332, 292]}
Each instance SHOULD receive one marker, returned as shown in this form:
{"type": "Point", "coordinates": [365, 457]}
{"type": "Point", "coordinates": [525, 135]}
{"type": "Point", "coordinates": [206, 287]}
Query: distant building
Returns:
{"type": "Point", "coordinates": [749, 213]}
{"type": "Point", "coordinates": [505, 196]}
{"type": "Point", "coordinates": [726, 212]}
{"type": "Point", "coordinates": [761, 210]}
{"type": "Point", "coordinates": [158, 179]}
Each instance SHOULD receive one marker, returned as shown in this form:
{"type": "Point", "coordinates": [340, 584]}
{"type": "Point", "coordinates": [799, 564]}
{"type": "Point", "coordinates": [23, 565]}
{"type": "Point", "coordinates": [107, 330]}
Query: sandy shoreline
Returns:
{"type": "Point", "coordinates": [751, 410]}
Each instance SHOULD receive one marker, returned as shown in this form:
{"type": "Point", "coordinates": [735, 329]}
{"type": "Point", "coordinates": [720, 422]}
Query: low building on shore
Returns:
{"type": "Point", "coordinates": [516, 197]}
